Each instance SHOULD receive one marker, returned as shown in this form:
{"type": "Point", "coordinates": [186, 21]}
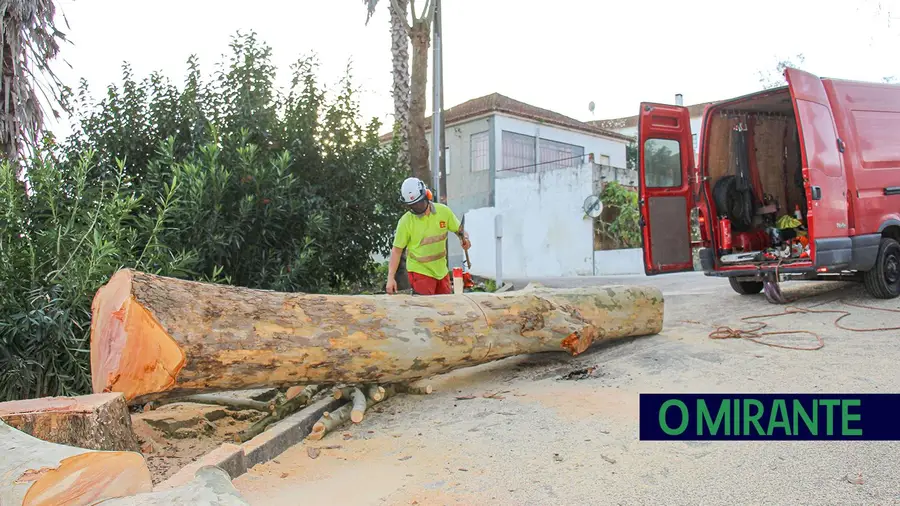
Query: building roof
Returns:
{"type": "Point", "coordinates": [497, 103]}
{"type": "Point", "coordinates": [632, 121]}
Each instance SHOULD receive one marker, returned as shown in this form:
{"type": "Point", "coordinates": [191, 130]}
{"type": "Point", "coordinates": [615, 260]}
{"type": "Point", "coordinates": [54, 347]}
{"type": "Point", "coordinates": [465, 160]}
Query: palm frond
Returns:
{"type": "Point", "coordinates": [28, 86]}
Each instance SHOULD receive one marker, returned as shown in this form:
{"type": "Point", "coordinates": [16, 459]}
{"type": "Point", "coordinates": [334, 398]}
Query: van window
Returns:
{"type": "Point", "coordinates": [662, 163]}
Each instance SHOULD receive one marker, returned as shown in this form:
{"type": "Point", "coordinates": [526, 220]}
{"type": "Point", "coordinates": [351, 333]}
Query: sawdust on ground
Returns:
{"type": "Point", "coordinates": [174, 435]}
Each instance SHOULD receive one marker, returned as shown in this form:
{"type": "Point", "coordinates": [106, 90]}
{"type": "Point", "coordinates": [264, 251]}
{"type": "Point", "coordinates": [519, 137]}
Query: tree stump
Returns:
{"type": "Point", "coordinates": [94, 422]}
{"type": "Point", "coordinates": [38, 473]}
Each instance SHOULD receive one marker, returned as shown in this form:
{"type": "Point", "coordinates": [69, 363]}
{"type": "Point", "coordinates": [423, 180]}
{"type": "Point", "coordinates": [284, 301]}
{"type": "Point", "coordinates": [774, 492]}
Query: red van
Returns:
{"type": "Point", "coordinates": [797, 182]}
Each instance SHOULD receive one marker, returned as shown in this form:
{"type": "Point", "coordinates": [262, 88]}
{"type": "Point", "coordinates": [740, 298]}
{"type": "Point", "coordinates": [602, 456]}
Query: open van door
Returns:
{"type": "Point", "coordinates": [665, 159]}
{"type": "Point", "coordinates": [823, 167]}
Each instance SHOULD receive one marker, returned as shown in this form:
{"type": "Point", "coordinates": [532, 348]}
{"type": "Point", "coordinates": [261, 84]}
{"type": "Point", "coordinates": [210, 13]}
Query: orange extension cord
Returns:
{"type": "Point", "coordinates": [756, 336]}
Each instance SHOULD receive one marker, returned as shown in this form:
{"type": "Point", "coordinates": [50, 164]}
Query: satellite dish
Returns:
{"type": "Point", "coordinates": [591, 107]}
{"type": "Point", "coordinates": [593, 206]}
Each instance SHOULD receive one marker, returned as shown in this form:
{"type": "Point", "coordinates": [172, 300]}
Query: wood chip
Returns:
{"type": "Point", "coordinates": [284, 475]}
{"type": "Point", "coordinates": [332, 447]}
{"type": "Point", "coordinates": [463, 469]}
{"type": "Point", "coordinates": [608, 459]}
{"type": "Point", "coordinates": [465, 397]}
{"type": "Point", "coordinates": [313, 452]}
{"type": "Point", "coordinates": [855, 481]}
{"type": "Point", "coordinates": [405, 458]}
{"type": "Point", "coordinates": [495, 395]}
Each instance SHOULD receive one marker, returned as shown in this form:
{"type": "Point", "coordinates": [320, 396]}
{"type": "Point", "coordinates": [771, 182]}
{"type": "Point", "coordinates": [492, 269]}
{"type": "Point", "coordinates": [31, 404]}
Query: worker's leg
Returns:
{"type": "Point", "coordinates": [443, 286]}
{"type": "Point", "coordinates": [422, 284]}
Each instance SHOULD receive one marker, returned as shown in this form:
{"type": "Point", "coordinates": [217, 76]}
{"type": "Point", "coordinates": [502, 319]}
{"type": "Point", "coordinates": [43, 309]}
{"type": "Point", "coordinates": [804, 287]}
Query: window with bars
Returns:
{"type": "Point", "coordinates": [518, 151]}
{"type": "Point", "coordinates": [559, 155]}
{"type": "Point", "coordinates": [479, 151]}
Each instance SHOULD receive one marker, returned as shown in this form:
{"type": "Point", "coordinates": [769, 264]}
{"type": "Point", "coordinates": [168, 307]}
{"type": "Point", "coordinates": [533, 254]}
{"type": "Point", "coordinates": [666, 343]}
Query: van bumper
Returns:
{"type": "Point", "coordinates": [707, 264]}
{"type": "Point", "coordinates": [856, 253]}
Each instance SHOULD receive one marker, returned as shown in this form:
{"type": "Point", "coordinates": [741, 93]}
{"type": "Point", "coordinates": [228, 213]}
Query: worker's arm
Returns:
{"type": "Point", "coordinates": [393, 265]}
{"type": "Point", "coordinates": [456, 227]}
{"type": "Point", "coordinates": [401, 240]}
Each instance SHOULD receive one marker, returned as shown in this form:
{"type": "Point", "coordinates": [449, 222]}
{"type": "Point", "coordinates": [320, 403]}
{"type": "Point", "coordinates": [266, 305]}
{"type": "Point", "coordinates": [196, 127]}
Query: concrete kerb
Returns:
{"type": "Point", "coordinates": [238, 459]}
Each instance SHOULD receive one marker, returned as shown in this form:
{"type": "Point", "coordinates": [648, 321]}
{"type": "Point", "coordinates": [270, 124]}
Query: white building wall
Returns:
{"type": "Point", "coordinates": [545, 231]}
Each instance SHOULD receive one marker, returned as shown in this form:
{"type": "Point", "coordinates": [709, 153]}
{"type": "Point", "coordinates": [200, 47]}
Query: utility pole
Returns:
{"type": "Point", "coordinates": [437, 105]}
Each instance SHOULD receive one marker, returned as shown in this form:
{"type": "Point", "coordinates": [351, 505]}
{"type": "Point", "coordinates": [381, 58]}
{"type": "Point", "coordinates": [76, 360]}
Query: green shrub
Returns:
{"type": "Point", "coordinates": [223, 180]}
{"type": "Point", "coordinates": [621, 206]}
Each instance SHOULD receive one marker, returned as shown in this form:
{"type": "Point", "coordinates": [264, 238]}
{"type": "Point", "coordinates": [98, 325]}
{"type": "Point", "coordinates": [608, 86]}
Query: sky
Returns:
{"type": "Point", "coordinates": [558, 55]}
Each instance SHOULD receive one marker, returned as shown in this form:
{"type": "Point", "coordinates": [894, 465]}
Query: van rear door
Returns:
{"type": "Point", "coordinates": [665, 159]}
{"type": "Point", "coordinates": [823, 167]}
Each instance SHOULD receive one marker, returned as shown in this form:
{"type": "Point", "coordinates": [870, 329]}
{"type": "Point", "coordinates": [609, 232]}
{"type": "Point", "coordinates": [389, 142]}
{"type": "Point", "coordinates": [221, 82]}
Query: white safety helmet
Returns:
{"type": "Point", "coordinates": [413, 190]}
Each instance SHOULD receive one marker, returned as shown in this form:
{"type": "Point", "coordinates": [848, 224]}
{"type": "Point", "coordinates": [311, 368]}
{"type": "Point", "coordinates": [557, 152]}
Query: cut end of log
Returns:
{"type": "Point", "coordinates": [130, 351]}
{"type": "Point", "coordinates": [577, 342]}
{"type": "Point", "coordinates": [89, 478]}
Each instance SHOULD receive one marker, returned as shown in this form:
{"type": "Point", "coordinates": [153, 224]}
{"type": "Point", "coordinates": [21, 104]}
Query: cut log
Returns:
{"type": "Point", "coordinates": [414, 389]}
{"type": "Point", "coordinates": [330, 420]}
{"type": "Point", "coordinates": [281, 411]}
{"type": "Point", "coordinates": [154, 337]}
{"type": "Point", "coordinates": [94, 422]}
{"type": "Point", "coordinates": [343, 393]}
{"type": "Point", "coordinates": [359, 406]}
{"type": "Point", "coordinates": [39, 473]}
{"type": "Point", "coordinates": [211, 486]}
{"type": "Point", "coordinates": [231, 401]}
{"type": "Point", "coordinates": [375, 392]}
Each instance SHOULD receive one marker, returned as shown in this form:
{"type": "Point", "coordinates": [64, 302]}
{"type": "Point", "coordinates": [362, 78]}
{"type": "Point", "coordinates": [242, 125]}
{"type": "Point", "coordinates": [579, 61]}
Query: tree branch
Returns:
{"type": "Point", "coordinates": [427, 12]}
{"type": "Point", "coordinates": [400, 13]}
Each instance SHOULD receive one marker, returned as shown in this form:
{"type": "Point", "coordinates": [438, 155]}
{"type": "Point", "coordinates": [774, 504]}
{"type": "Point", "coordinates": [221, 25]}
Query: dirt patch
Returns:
{"type": "Point", "coordinates": [174, 435]}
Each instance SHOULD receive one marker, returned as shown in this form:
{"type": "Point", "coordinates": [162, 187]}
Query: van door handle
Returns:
{"type": "Point", "coordinates": [816, 192]}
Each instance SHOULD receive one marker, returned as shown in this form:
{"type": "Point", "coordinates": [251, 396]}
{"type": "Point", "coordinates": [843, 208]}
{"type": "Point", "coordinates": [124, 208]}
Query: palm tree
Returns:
{"type": "Point", "coordinates": [409, 99]}
{"type": "Point", "coordinates": [400, 56]}
{"type": "Point", "coordinates": [30, 40]}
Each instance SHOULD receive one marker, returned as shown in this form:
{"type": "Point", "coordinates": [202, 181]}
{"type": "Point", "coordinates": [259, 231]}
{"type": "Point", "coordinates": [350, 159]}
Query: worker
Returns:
{"type": "Point", "coordinates": [423, 231]}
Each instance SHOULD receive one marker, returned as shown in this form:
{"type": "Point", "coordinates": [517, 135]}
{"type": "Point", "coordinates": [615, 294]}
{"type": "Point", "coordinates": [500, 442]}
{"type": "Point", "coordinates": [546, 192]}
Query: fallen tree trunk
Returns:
{"type": "Point", "coordinates": [35, 472]}
{"type": "Point", "coordinates": [211, 486]}
{"type": "Point", "coordinates": [154, 337]}
{"type": "Point", "coordinates": [94, 422]}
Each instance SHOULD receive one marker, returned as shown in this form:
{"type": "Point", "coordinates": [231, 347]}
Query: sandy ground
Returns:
{"type": "Point", "coordinates": [547, 440]}
{"type": "Point", "coordinates": [184, 432]}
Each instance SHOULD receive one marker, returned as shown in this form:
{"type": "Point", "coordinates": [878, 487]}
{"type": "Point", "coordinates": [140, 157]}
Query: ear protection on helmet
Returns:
{"type": "Point", "coordinates": [429, 195]}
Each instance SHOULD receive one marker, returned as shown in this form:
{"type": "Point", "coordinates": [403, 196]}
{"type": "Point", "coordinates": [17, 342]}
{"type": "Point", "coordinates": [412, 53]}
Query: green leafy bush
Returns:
{"type": "Point", "coordinates": [223, 180]}
{"type": "Point", "coordinates": [619, 224]}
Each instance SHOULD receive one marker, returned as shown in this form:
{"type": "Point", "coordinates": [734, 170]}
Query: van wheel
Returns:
{"type": "Point", "coordinates": [746, 287]}
{"type": "Point", "coordinates": [883, 281]}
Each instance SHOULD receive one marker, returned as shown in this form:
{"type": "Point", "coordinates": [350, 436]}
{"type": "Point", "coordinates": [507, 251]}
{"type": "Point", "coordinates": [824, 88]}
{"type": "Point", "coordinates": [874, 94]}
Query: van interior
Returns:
{"type": "Point", "coordinates": [757, 193]}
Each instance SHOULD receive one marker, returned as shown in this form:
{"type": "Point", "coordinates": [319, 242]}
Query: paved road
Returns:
{"type": "Point", "coordinates": [668, 283]}
{"type": "Point", "coordinates": [549, 440]}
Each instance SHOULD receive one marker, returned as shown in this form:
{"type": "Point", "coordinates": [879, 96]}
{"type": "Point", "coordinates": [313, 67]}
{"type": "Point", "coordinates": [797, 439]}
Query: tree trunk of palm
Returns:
{"type": "Point", "coordinates": [400, 54]}
{"type": "Point", "coordinates": [420, 35]}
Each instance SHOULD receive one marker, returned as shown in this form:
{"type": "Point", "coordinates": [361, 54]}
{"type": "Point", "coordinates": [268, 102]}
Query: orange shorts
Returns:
{"type": "Point", "coordinates": [426, 285]}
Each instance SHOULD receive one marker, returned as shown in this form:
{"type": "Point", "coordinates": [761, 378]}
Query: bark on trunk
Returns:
{"type": "Point", "coordinates": [155, 337]}
{"type": "Point", "coordinates": [35, 472]}
{"type": "Point", "coordinates": [418, 145]}
{"type": "Point", "coordinates": [211, 487]}
{"type": "Point", "coordinates": [400, 92]}
{"type": "Point", "coordinates": [94, 422]}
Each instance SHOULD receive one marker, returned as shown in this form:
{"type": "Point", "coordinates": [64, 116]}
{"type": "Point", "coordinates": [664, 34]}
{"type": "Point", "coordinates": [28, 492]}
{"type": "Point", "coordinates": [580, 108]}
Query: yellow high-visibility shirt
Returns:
{"type": "Point", "coordinates": [425, 237]}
